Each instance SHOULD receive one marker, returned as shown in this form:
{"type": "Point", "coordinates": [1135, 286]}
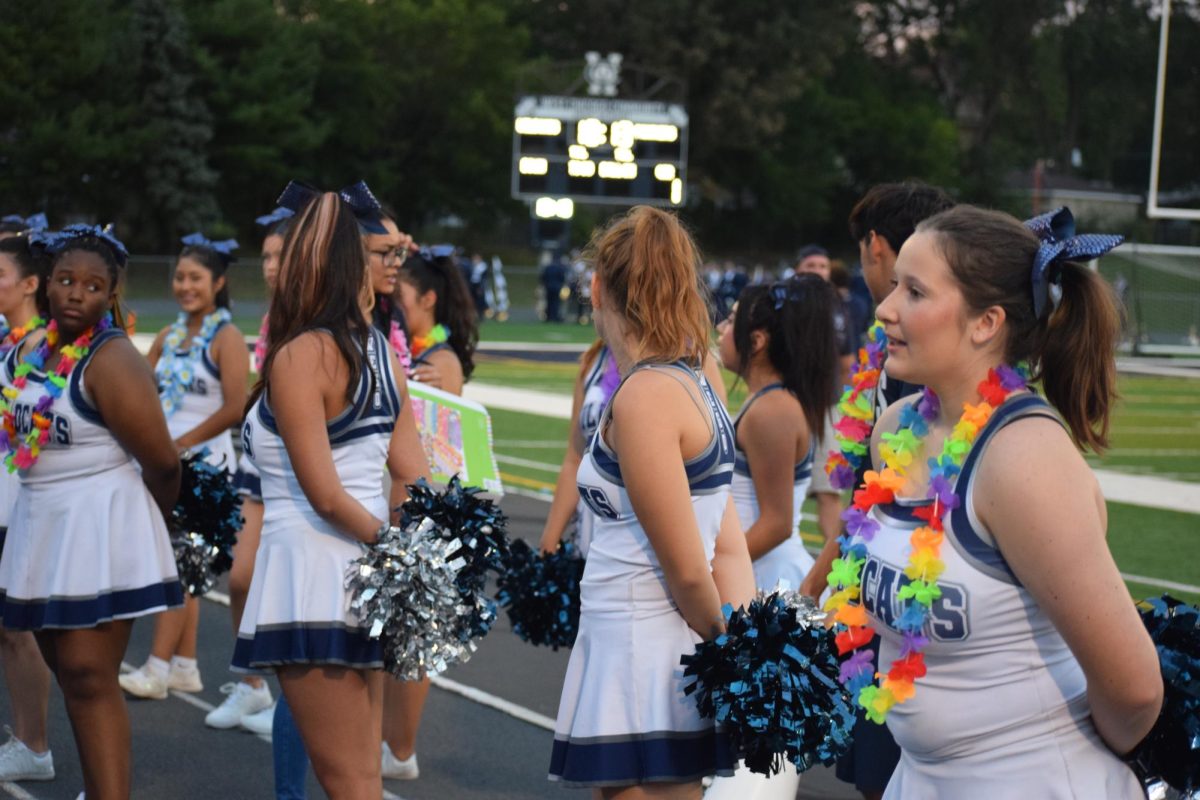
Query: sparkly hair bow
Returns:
{"type": "Point", "coordinates": [1060, 243]}
{"type": "Point", "coordinates": [58, 241]}
{"type": "Point", "coordinates": [278, 215]}
{"type": "Point", "coordinates": [358, 196]}
{"type": "Point", "coordinates": [198, 239]}
{"type": "Point", "coordinates": [35, 222]}
{"type": "Point", "coordinates": [786, 291]}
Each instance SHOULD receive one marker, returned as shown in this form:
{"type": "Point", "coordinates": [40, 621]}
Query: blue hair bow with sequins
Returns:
{"type": "Point", "coordinates": [58, 241]}
{"type": "Point", "coordinates": [34, 222]}
{"type": "Point", "coordinates": [784, 291]}
{"type": "Point", "coordinates": [1060, 243]}
{"type": "Point", "coordinates": [278, 215]}
{"type": "Point", "coordinates": [358, 196]}
{"type": "Point", "coordinates": [224, 247]}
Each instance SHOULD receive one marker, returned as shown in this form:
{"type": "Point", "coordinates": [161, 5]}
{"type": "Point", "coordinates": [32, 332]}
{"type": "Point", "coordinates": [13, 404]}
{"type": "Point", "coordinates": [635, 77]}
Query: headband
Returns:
{"type": "Point", "coordinates": [58, 241]}
{"type": "Point", "coordinates": [278, 215]}
{"type": "Point", "coordinates": [225, 247]}
{"type": "Point", "coordinates": [35, 222]}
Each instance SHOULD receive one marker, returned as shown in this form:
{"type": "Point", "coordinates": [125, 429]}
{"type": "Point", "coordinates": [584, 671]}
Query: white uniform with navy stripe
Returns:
{"type": "Point", "coordinates": [590, 412]}
{"type": "Point", "coordinates": [1002, 712]}
{"type": "Point", "coordinates": [297, 610]}
{"type": "Point", "coordinates": [86, 542]}
{"type": "Point", "coordinates": [788, 561]}
{"type": "Point", "coordinates": [203, 398]}
{"type": "Point", "coordinates": [9, 482]}
{"type": "Point", "coordinates": [623, 717]}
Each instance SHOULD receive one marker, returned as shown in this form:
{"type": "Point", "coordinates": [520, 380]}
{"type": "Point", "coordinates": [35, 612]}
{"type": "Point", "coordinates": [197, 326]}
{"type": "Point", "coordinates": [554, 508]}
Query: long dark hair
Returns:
{"type": "Point", "coordinates": [323, 266]}
{"type": "Point", "coordinates": [215, 262]}
{"type": "Point", "coordinates": [454, 308]}
{"type": "Point", "coordinates": [797, 316]}
{"type": "Point", "coordinates": [31, 262]}
{"type": "Point", "coordinates": [1072, 349]}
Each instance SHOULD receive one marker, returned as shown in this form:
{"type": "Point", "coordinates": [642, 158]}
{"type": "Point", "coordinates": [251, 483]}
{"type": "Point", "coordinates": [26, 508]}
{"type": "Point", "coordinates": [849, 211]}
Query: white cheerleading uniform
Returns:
{"type": "Point", "coordinates": [9, 482]}
{"type": "Point", "coordinates": [86, 542]}
{"type": "Point", "coordinates": [201, 399]}
{"type": "Point", "coordinates": [788, 561]}
{"type": "Point", "coordinates": [297, 610]}
{"type": "Point", "coordinates": [1002, 712]}
{"type": "Point", "coordinates": [590, 412]}
{"type": "Point", "coordinates": [623, 717]}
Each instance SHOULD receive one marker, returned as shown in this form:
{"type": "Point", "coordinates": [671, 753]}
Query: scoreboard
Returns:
{"type": "Point", "coordinates": [596, 150]}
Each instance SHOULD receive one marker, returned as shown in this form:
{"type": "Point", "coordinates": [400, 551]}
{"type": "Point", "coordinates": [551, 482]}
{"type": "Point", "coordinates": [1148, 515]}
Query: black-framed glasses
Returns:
{"type": "Point", "coordinates": [397, 254]}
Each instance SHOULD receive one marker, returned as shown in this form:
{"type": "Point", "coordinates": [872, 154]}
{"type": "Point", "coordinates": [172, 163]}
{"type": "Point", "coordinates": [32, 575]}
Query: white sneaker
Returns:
{"type": "Point", "coordinates": [143, 683]}
{"type": "Point", "coordinates": [260, 722]}
{"type": "Point", "coordinates": [396, 769]}
{"type": "Point", "coordinates": [184, 680]}
{"type": "Point", "coordinates": [243, 699]}
{"type": "Point", "coordinates": [19, 763]}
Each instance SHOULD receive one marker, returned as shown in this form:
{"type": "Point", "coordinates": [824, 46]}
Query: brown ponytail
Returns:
{"type": "Point", "coordinates": [1072, 350]}
{"type": "Point", "coordinates": [649, 268]}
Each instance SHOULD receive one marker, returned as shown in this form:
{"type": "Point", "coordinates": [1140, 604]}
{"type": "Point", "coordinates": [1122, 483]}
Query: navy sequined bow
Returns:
{"type": "Point", "coordinates": [34, 222]}
{"type": "Point", "coordinates": [278, 215]}
{"type": "Point", "coordinates": [1060, 243]}
{"type": "Point", "coordinates": [224, 247]}
{"type": "Point", "coordinates": [57, 241]}
{"type": "Point", "coordinates": [358, 196]}
{"type": "Point", "coordinates": [786, 291]}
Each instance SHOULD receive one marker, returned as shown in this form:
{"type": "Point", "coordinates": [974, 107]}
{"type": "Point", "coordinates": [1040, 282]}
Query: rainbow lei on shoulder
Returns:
{"type": "Point", "coordinates": [260, 345]}
{"type": "Point", "coordinates": [12, 337]}
{"type": "Point", "coordinates": [437, 334]}
{"type": "Point", "coordinates": [24, 455]}
{"type": "Point", "coordinates": [399, 343]}
{"type": "Point", "coordinates": [175, 372]}
{"type": "Point", "coordinates": [898, 451]}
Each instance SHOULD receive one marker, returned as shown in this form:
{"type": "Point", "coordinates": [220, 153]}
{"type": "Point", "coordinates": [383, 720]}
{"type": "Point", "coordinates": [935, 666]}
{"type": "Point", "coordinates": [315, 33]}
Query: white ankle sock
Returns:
{"type": "Point", "coordinates": [157, 667]}
{"type": "Point", "coordinates": [184, 664]}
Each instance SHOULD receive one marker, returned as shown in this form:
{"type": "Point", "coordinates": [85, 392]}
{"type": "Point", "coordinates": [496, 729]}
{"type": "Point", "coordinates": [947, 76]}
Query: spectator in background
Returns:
{"type": "Point", "coordinates": [855, 315]}
{"type": "Point", "coordinates": [553, 279]}
{"type": "Point", "coordinates": [498, 287]}
{"type": "Point", "coordinates": [814, 259]}
{"type": "Point", "coordinates": [478, 279]}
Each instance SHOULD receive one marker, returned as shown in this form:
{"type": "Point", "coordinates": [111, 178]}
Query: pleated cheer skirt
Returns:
{"type": "Point", "coordinates": [297, 611]}
{"type": "Point", "coordinates": [246, 481]}
{"type": "Point", "coordinates": [624, 718]}
{"type": "Point", "coordinates": [83, 552]}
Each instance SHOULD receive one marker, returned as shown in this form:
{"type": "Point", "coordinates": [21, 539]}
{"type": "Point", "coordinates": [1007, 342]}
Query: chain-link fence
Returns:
{"type": "Point", "coordinates": [1159, 286]}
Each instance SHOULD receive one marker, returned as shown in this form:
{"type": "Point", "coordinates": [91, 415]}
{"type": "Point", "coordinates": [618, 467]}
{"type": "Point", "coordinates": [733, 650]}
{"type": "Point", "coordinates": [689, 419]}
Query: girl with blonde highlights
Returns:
{"type": "Point", "coordinates": [666, 549]}
{"type": "Point", "coordinates": [326, 415]}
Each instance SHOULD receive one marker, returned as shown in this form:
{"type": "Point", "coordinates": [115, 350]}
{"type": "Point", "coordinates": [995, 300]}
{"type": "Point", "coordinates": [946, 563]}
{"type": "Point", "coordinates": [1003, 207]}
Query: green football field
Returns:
{"type": "Point", "coordinates": [1156, 431]}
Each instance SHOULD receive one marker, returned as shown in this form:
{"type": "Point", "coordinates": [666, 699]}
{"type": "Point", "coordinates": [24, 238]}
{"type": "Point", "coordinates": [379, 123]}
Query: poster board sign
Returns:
{"type": "Point", "coordinates": [457, 436]}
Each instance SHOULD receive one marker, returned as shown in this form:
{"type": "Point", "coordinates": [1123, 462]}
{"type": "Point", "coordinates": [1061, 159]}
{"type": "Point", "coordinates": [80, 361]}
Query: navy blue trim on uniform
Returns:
{"type": "Point", "coordinates": [983, 555]}
{"type": "Point", "coordinates": [707, 471]}
{"type": "Point", "coordinates": [659, 756]}
{"type": "Point", "coordinates": [388, 376]}
{"type": "Point", "coordinates": [427, 352]}
{"type": "Point", "coordinates": [206, 354]}
{"type": "Point", "coordinates": [311, 643]}
{"type": "Point", "coordinates": [248, 485]}
{"type": "Point", "coordinates": [741, 465]}
{"type": "Point", "coordinates": [362, 431]}
{"type": "Point", "coordinates": [67, 612]}
{"type": "Point", "coordinates": [78, 401]}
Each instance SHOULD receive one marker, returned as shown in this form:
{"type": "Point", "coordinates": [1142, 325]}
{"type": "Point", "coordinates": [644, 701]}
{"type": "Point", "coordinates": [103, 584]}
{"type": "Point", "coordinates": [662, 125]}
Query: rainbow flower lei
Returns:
{"type": "Point", "coordinates": [260, 344]}
{"type": "Point", "coordinates": [437, 334]}
{"type": "Point", "coordinates": [857, 405]}
{"type": "Point", "coordinates": [24, 455]}
{"type": "Point", "coordinates": [17, 334]}
{"type": "Point", "coordinates": [925, 565]}
{"type": "Point", "coordinates": [176, 372]}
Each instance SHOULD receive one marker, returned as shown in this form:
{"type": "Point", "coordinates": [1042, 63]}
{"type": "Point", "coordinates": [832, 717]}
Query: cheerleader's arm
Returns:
{"type": "Point", "coordinates": [122, 388]}
{"type": "Point", "coordinates": [731, 568]}
{"type": "Point", "coordinates": [407, 461]}
{"type": "Point", "coordinates": [1043, 506]}
{"type": "Point", "coordinates": [566, 493]}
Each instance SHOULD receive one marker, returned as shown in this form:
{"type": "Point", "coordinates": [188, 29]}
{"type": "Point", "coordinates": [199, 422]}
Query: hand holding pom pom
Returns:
{"type": "Point", "coordinates": [771, 680]}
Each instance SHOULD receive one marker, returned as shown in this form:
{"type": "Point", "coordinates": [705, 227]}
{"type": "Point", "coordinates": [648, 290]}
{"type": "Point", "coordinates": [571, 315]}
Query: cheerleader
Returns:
{"type": "Point", "coordinates": [325, 416]}
{"type": "Point", "coordinates": [597, 380]}
{"type": "Point", "coordinates": [440, 312]}
{"type": "Point", "coordinates": [386, 253]}
{"type": "Point", "coordinates": [666, 550]}
{"type": "Point", "coordinates": [201, 366]}
{"type": "Point", "coordinates": [442, 325]}
{"type": "Point", "coordinates": [87, 548]}
{"type": "Point", "coordinates": [248, 702]}
{"type": "Point", "coordinates": [26, 756]}
{"type": "Point", "coordinates": [1012, 662]}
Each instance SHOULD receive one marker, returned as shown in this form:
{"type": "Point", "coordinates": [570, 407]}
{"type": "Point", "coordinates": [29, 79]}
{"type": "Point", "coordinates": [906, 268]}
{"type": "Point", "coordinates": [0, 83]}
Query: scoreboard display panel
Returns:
{"type": "Point", "coordinates": [595, 150]}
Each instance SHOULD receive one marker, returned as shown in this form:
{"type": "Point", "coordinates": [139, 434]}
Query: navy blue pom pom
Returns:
{"type": "Point", "coordinates": [540, 594]}
{"type": "Point", "coordinates": [772, 681]}
{"type": "Point", "coordinates": [204, 523]}
{"type": "Point", "coordinates": [1171, 751]}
